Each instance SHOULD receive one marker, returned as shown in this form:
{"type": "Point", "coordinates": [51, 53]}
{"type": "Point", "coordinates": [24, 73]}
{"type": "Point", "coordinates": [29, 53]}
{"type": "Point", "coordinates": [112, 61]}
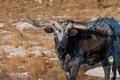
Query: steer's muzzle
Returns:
{"type": "Point", "coordinates": [61, 49]}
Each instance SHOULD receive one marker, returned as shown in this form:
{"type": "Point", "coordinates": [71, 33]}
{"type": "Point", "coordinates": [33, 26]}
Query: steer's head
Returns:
{"type": "Point", "coordinates": [62, 30]}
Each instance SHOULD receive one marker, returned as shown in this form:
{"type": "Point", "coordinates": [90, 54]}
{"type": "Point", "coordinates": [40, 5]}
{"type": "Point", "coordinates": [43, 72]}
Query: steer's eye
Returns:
{"type": "Point", "coordinates": [49, 30]}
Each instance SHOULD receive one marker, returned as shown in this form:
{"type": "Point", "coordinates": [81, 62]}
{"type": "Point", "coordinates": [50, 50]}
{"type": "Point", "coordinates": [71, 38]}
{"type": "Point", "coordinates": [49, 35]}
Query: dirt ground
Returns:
{"type": "Point", "coordinates": [12, 11]}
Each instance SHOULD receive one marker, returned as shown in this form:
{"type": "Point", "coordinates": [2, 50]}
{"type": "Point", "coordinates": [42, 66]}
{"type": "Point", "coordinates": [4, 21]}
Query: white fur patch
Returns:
{"type": "Point", "coordinates": [59, 34]}
{"type": "Point", "coordinates": [67, 73]}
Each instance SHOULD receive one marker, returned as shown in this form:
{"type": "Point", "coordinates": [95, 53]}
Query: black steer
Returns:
{"type": "Point", "coordinates": [79, 43]}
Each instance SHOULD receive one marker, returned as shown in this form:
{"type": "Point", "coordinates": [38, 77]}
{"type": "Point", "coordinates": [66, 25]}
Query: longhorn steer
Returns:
{"type": "Point", "coordinates": [77, 43]}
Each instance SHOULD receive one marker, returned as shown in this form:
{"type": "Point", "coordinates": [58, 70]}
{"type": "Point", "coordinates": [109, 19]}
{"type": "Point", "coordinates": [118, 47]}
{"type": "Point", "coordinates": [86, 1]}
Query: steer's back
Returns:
{"type": "Point", "coordinates": [115, 26]}
{"type": "Point", "coordinates": [113, 23]}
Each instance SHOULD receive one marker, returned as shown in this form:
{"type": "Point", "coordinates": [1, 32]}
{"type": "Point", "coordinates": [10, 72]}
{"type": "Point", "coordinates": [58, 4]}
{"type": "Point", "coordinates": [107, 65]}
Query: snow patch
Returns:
{"type": "Point", "coordinates": [20, 51]}
{"type": "Point", "coordinates": [47, 52]}
{"type": "Point", "coordinates": [118, 9]}
{"type": "Point", "coordinates": [13, 51]}
{"type": "Point", "coordinates": [49, 16]}
{"type": "Point", "coordinates": [40, 79]}
{"type": "Point", "coordinates": [43, 49]}
{"type": "Point", "coordinates": [61, 17]}
{"type": "Point", "coordinates": [6, 32]}
{"type": "Point", "coordinates": [39, 1]}
{"type": "Point", "coordinates": [23, 25]}
{"type": "Point", "coordinates": [38, 50]}
{"type": "Point", "coordinates": [35, 50]}
{"type": "Point", "coordinates": [20, 67]}
{"type": "Point", "coordinates": [22, 75]}
{"type": "Point", "coordinates": [98, 72]}
{"type": "Point", "coordinates": [54, 59]}
{"type": "Point", "coordinates": [2, 25]}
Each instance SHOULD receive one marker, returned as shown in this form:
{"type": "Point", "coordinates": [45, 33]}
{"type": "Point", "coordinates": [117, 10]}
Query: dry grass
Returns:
{"type": "Point", "coordinates": [37, 66]}
{"type": "Point", "coordinates": [12, 11]}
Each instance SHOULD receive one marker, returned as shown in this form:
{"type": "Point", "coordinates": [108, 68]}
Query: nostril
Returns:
{"type": "Point", "coordinates": [61, 50]}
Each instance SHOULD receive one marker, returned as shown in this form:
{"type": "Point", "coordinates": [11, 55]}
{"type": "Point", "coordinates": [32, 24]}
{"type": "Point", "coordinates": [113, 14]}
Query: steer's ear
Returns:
{"type": "Point", "coordinates": [48, 30]}
{"type": "Point", "coordinates": [73, 32]}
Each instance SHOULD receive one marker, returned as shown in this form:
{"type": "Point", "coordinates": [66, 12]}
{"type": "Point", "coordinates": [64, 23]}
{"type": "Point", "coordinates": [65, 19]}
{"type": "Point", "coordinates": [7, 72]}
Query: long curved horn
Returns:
{"type": "Point", "coordinates": [88, 26]}
{"type": "Point", "coordinates": [33, 22]}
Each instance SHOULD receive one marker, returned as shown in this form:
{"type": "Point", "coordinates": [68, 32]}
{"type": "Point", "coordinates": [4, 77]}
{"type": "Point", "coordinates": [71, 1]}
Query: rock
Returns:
{"type": "Point", "coordinates": [13, 51]}
{"type": "Point", "coordinates": [39, 1]}
{"type": "Point", "coordinates": [98, 72]}
{"type": "Point", "coordinates": [23, 25]}
{"type": "Point", "coordinates": [1, 25]}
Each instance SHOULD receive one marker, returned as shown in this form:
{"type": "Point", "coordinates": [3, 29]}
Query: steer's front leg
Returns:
{"type": "Point", "coordinates": [106, 67]}
{"type": "Point", "coordinates": [71, 67]}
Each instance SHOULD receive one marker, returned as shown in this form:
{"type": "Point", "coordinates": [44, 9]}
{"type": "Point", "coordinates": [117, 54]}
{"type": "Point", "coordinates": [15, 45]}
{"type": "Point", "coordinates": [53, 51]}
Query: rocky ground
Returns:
{"type": "Point", "coordinates": [26, 52]}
